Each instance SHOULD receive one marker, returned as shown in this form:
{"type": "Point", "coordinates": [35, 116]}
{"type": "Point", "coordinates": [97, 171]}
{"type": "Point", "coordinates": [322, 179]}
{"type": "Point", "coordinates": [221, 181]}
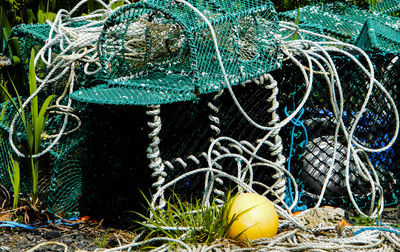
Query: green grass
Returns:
{"type": "Point", "coordinates": [101, 241]}
{"type": "Point", "coordinates": [15, 177]}
{"type": "Point", "coordinates": [33, 124]}
{"type": "Point", "coordinates": [191, 222]}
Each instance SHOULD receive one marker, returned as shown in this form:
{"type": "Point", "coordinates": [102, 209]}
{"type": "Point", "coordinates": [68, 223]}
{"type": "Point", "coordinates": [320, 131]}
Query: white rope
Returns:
{"type": "Point", "coordinates": [79, 44]}
{"type": "Point", "coordinates": [316, 53]}
{"type": "Point", "coordinates": [76, 44]}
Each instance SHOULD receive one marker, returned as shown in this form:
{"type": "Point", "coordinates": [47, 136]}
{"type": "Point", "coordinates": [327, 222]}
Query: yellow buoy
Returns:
{"type": "Point", "coordinates": [255, 216]}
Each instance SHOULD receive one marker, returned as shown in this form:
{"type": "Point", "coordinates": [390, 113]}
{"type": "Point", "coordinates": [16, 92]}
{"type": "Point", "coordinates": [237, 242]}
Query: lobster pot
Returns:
{"type": "Point", "coordinates": [157, 52]}
{"type": "Point", "coordinates": [375, 35]}
{"type": "Point", "coordinates": [310, 141]}
{"type": "Point", "coordinates": [59, 189]}
{"type": "Point", "coordinates": [121, 148]}
{"type": "Point", "coordinates": [153, 53]}
{"type": "Point", "coordinates": [161, 57]}
{"type": "Point", "coordinates": [345, 22]}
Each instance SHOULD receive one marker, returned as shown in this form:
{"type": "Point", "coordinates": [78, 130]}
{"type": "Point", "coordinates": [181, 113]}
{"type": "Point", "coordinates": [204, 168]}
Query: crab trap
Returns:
{"type": "Point", "coordinates": [157, 52]}
{"type": "Point", "coordinates": [152, 53]}
{"type": "Point", "coordinates": [155, 105]}
{"type": "Point", "coordinates": [311, 138]}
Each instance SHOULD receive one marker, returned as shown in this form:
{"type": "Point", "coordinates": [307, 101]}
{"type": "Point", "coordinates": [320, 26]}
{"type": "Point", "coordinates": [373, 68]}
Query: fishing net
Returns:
{"type": "Point", "coordinates": [60, 169]}
{"type": "Point", "coordinates": [342, 20]}
{"type": "Point", "coordinates": [194, 118]}
{"type": "Point", "coordinates": [157, 52]}
{"type": "Point", "coordinates": [312, 141]}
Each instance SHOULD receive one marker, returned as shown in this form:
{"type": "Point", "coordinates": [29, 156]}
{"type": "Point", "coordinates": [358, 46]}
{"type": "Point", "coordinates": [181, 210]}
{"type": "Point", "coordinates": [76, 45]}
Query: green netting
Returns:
{"type": "Point", "coordinates": [30, 36]}
{"type": "Point", "coordinates": [340, 20]}
{"type": "Point", "coordinates": [378, 36]}
{"type": "Point", "coordinates": [158, 52]}
{"type": "Point", "coordinates": [35, 36]}
{"type": "Point", "coordinates": [386, 6]}
{"type": "Point", "coordinates": [60, 169]}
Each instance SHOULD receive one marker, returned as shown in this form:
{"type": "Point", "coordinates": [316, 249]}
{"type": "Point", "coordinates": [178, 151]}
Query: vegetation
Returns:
{"type": "Point", "coordinates": [200, 224]}
{"type": "Point", "coordinates": [15, 177]}
{"type": "Point", "coordinates": [33, 123]}
{"type": "Point", "coordinates": [101, 240]}
{"type": "Point", "coordinates": [192, 222]}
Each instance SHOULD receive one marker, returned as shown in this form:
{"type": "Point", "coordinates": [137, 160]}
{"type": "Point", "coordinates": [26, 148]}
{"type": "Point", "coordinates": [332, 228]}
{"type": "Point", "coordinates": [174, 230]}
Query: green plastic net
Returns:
{"type": "Point", "coordinates": [60, 174]}
{"type": "Point", "coordinates": [375, 35]}
{"type": "Point", "coordinates": [157, 52]}
{"type": "Point", "coordinates": [386, 7]}
{"type": "Point", "coordinates": [162, 52]}
{"type": "Point", "coordinates": [341, 20]}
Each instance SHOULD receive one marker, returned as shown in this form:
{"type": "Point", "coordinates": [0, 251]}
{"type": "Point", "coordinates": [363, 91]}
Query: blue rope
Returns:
{"type": "Point", "coordinates": [391, 230]}
{"type": "Point", "coordinates": [296, 123]}
{"type": "Point", "coordinates": [14, 224]}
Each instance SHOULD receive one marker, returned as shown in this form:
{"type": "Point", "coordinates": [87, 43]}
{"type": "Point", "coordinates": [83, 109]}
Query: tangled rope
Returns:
{"type": "Point", "coordinates": [78, 44]}
{"type": "Point", "coordinates": [317, 55]}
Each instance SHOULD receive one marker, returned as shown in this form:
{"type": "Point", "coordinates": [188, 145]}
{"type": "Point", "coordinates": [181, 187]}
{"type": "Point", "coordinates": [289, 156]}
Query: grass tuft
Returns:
{"type": "Point", "coordinates": [192, 222]}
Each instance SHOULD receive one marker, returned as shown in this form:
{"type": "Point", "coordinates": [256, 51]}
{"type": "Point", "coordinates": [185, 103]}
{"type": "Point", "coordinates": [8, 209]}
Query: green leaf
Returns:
{"type": "Point", "coordinates": [6, 25]}
{"type": "Point", "coordinates": [32, 85]}
{"type": "Point", "coordinates": [13, 46]}
{"type": "Point", "coordinates": [3, 35]}
{"type": "Point", "coordinates": [297, 21]}
{"type": "Point", "coordinates": [53, 4]}
{"type": "Point", "coordinates": [16, 59]}
{"type": "Point", "coordinates": [50, 16]}
{"type": "Point", "coordinates": [15, 176]}
{"type": "Point", "coordinates": [91, 6]}
{"type": "Point", "coordinates": [31, 16]}
{"type": "Point", "coordinates": [3, 110]}
{"type": "Point", "coordinates": [41, 120]}
{"type": "Point", "coordinates": [40, 16]}
{"type": "Point", "coordinates": [117, 4]}
{"type": "Point", "coordinates": [32, 126]}
{"type": "Point", "coordinates": [10, 98]}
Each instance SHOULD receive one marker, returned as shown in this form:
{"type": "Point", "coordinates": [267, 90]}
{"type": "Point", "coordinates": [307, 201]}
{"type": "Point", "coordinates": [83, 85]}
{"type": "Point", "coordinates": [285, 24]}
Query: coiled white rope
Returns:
{"type": "Point", "coordinates": [318, 53]}
{"type": "Point", "coordinates": [315, 54]}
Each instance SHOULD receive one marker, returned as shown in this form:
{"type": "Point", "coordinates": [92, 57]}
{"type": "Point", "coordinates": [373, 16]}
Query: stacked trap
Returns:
{"type": "Point", "coordinates": [152, 97]}
{"type": "Point", "coordinates": [152, 53]}
{"type": "Point", "coordinates": [311, 141]}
